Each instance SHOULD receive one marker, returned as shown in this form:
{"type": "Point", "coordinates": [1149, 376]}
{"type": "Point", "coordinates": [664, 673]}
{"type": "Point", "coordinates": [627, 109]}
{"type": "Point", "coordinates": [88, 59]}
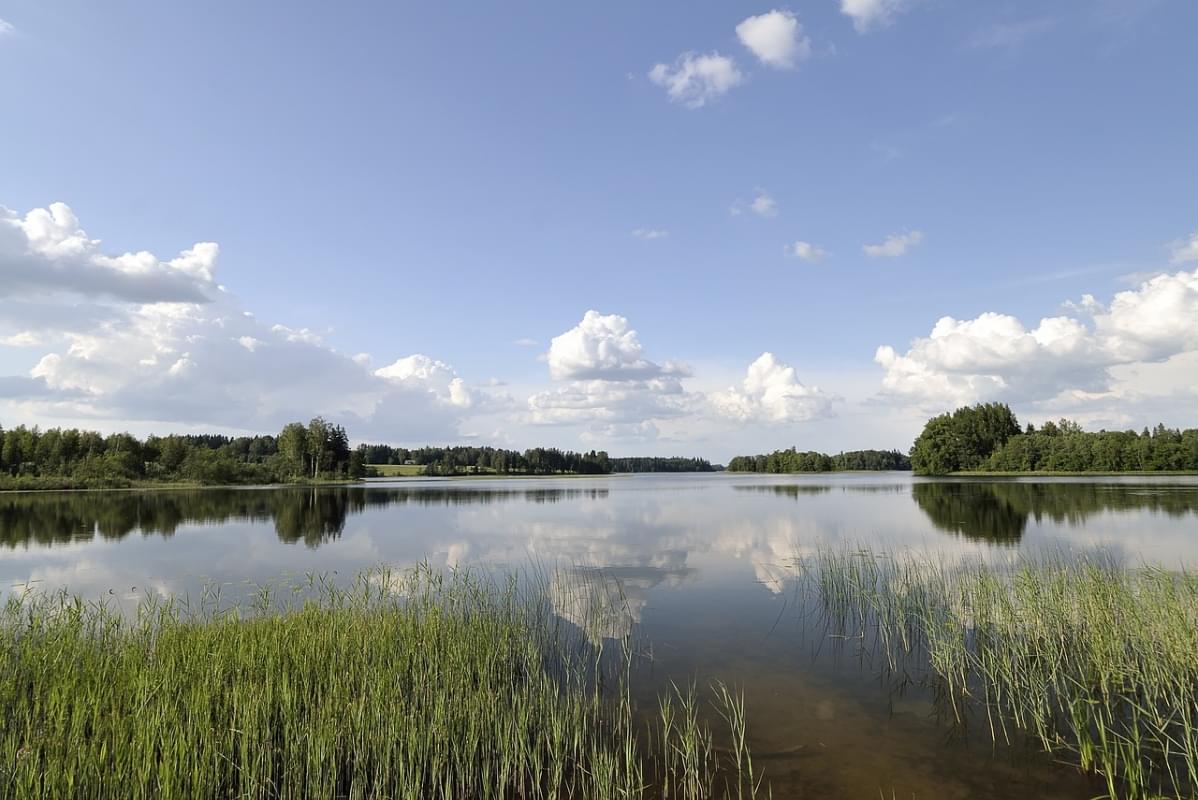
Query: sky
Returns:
{"type": "Point", "coordinates": [662, 228]}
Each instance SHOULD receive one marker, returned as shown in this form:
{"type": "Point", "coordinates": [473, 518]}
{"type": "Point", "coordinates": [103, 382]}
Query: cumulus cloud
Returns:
{"type": "Point", "coordinates": [607, 384]}
{"type": "Point", "coordinates": [47, 252]}
{"type": "Point", "coordinates": [696, 79]}
{"type": "Point", "coordinates": [650, 233]}
{"type": "Point", "coordinates": [996, 357]}
{"type": "Point", "coordinates": [157, 341]}
{"type": "Point", "coordinates": [806, 251]}
{"type": "Point", "coordinates": [870, 14]}
{"type": "Point", "coordinates": [894, 246]}
{"type": "Point", "coordinates": [771, 393]}
{"type": "Point", "coordinates": [776, 38]}
{"type": "Point", "coordinates": [421, 372]}
{"type": "Point", "coordinates": [603, 347]}
{"type": "Point", "coordinates": [1185, 251]}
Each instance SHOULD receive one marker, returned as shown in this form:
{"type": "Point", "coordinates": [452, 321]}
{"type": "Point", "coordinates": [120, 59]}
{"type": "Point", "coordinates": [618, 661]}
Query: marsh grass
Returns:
{"type": "Point", "coordinates": [1092, 660]}
{"type": "Point", "coordinates": [403, 685]}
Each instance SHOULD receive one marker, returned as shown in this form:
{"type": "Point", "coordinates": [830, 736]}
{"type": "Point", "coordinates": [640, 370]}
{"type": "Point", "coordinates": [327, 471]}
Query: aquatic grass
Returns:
{"type": "Point", "coordinates": [405, 685]}
{"type": "Point", "coordinates": [1087, 657]}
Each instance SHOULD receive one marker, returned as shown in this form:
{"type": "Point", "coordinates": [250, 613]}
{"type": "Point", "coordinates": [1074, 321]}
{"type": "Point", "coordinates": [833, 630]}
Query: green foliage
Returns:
{"type": "Point", "coordinates": [490, 460]}
{"type": "Point", "coordinates": [792, 460]}
{"type": "Point", "coordinates": [962, 440]}
{"type": "Point", "coordinates": [1092, 661]}
{"type": "Point", "coordinates": [406, 686]}
{"type": "Point", "coordinates": [654, 464]}
{"type": "Point", "coordinates": [62, 459]}
{"type": "Point", "coordinates": [1065, 447]}
{"type": "Point", "coordinates": [987, 437]}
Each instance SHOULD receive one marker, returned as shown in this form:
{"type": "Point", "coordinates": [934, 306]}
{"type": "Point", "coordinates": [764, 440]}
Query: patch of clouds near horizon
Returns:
{"type": "Point", "coordinates": [776, 38]}
{"type": "Point", "coordinates": [1062, 362]}
{"type": "Point", "coordinates": [158, 340]}
{"type": "Point", "coordinates": [695, 79]}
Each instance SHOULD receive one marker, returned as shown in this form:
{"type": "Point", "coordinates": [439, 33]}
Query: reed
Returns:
{"type": "Point", "coordinates": [1091, 659]}
{"type": "Point", "coordinates": [402, 685]}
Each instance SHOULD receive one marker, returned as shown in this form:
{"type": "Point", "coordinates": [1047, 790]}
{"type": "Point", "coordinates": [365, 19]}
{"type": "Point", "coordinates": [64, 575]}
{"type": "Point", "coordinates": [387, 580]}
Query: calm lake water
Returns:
{"type": "Point", "coordinates": [705, 565]}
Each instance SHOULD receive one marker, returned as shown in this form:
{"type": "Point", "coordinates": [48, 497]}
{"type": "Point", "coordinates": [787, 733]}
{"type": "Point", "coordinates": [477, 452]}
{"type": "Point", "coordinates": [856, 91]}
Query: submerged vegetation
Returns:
{"type": "Point", "coordinates": [412, 685]}
{"type": "Point", "coordinates": [799, 461]}
{"type": "Point", "coordinates": [987, 438]}
{"type": "Point", "coordinates": [1089, 659]}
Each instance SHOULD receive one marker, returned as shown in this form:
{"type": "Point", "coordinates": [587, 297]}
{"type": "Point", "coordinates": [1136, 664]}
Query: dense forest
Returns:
{"type": "Point", "coordinates": [987, 437]}
{"type": "Point", "coordinates": [492, 460]}
{"type": "Point", "coordinates": [793, 460]}
{"type": "Point", "coordinates": [655, 464]}
{"type": "Point", "coordinates": [70, 458]}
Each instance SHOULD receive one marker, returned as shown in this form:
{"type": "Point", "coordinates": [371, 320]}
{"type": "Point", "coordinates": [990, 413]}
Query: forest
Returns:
{"type": "Point", "coordinates": [31, 458]}
{"type": "Point", "coordinates": [793, 460]}
{"type": "Point", "coordinates": [988, 438]}
{"type": "Point", "coordinates": [57, 458]}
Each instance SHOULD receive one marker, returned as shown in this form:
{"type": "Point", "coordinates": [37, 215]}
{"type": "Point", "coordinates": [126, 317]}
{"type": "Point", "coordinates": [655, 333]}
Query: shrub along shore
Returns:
{"type": "Point", "coordinates": [415, 685]}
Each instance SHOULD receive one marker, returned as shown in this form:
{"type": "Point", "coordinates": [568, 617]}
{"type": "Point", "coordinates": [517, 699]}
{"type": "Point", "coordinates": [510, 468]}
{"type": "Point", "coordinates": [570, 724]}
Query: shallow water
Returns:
{"type": "Point", "coordinates": [704, 566]}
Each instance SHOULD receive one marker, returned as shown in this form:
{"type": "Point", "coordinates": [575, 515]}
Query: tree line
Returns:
{"type": "Point", "coordinates": [464, 460]}
{"type": "Point", "coordinates": [987, 437]}
{"type": "Point", "coordinates": [72, 458]}
{"type": "Point", "coordinates": [793, 460]}
{"type": "Point", "coordinates": [656, 464]}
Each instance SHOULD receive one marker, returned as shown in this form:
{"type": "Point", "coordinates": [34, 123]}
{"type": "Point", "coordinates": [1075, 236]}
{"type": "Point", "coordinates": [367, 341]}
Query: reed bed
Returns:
{"type": "Point", "coordinates": [403, 685]}
{"type": "Point", "coordinates": [1092, 660]}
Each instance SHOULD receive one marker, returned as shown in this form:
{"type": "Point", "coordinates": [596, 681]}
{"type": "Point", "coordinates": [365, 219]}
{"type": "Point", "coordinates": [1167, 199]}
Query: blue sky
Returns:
{"type": "Point", "coordinates": [447, 180]}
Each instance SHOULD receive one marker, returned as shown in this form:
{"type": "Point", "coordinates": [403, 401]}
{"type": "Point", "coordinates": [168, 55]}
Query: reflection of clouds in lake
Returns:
{"type": "Point", "coordinates": [714, 528]}
{"type": "Point", "coordinates": [605, 603]}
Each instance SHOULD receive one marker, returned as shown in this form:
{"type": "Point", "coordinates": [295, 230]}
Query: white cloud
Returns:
{"type": "Point", "coordinates": [696, 79]}
{"type": "Point", "coordinates": [602, 347]}
{"type": "Point", "coordinates": [650, 233]}
{"type": "Point", "coordinates": [141, 339]}
{"type": "Point", "coordinates": [6, 27]}
{"type": "Point", "coordinates": [776, 38]}
{"type": "Point", "coordinates": [1185, 251]}
{"type": "Point", "coordinates": [1062, 359]}
{"type": "Point", "coordinates": [606, 383]}
{"type": "Point", "coordinates": [806, 251]}
{"type": "Point", "coordinates": [869, 14]}
{"type": "Point", "coordinates": [21, 339]}
{"type": "Point", "coordinates": [762, 205]}
{"type": "Point", "coordinates": [771, 393]}
{"type": "Point", "coordinates": [526, 342]}
{"type": "Point", "coordinates": [46, 252]}
{"type": "Point", "coordinates": [436, 377]}
{"type": "Point", "coordinates": [895, 245]}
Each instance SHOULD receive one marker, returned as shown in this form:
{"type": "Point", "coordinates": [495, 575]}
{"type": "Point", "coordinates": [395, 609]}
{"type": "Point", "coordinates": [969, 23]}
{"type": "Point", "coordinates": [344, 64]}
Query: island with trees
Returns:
{"type": "Point", "coordinates": [987, 438]}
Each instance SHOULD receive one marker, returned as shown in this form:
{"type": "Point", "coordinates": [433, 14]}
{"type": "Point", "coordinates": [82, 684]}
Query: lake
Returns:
{"type": "Point", "coordinates": [704, 567]}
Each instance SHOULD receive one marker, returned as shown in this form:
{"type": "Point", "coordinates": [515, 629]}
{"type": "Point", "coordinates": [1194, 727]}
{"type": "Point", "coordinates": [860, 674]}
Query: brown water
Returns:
{"type": "Point", "coordinates": [704, 566]}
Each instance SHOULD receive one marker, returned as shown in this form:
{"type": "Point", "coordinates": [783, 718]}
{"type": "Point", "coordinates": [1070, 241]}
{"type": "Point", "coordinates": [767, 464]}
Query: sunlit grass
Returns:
{"type": "Point", "coordinates": [1091, 659]}
{"type": "Point", "coordinates": [412, 685]}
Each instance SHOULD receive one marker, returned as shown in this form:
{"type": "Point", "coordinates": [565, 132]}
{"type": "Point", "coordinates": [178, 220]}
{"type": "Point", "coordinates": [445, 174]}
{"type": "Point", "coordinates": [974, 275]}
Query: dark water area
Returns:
{"type": "Point", "coordinates": [704, 567]}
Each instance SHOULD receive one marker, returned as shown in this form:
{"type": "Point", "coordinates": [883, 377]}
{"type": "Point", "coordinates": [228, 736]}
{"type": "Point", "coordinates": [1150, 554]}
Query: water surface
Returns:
{"type": "Point", "coordinates": [704, 566]}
